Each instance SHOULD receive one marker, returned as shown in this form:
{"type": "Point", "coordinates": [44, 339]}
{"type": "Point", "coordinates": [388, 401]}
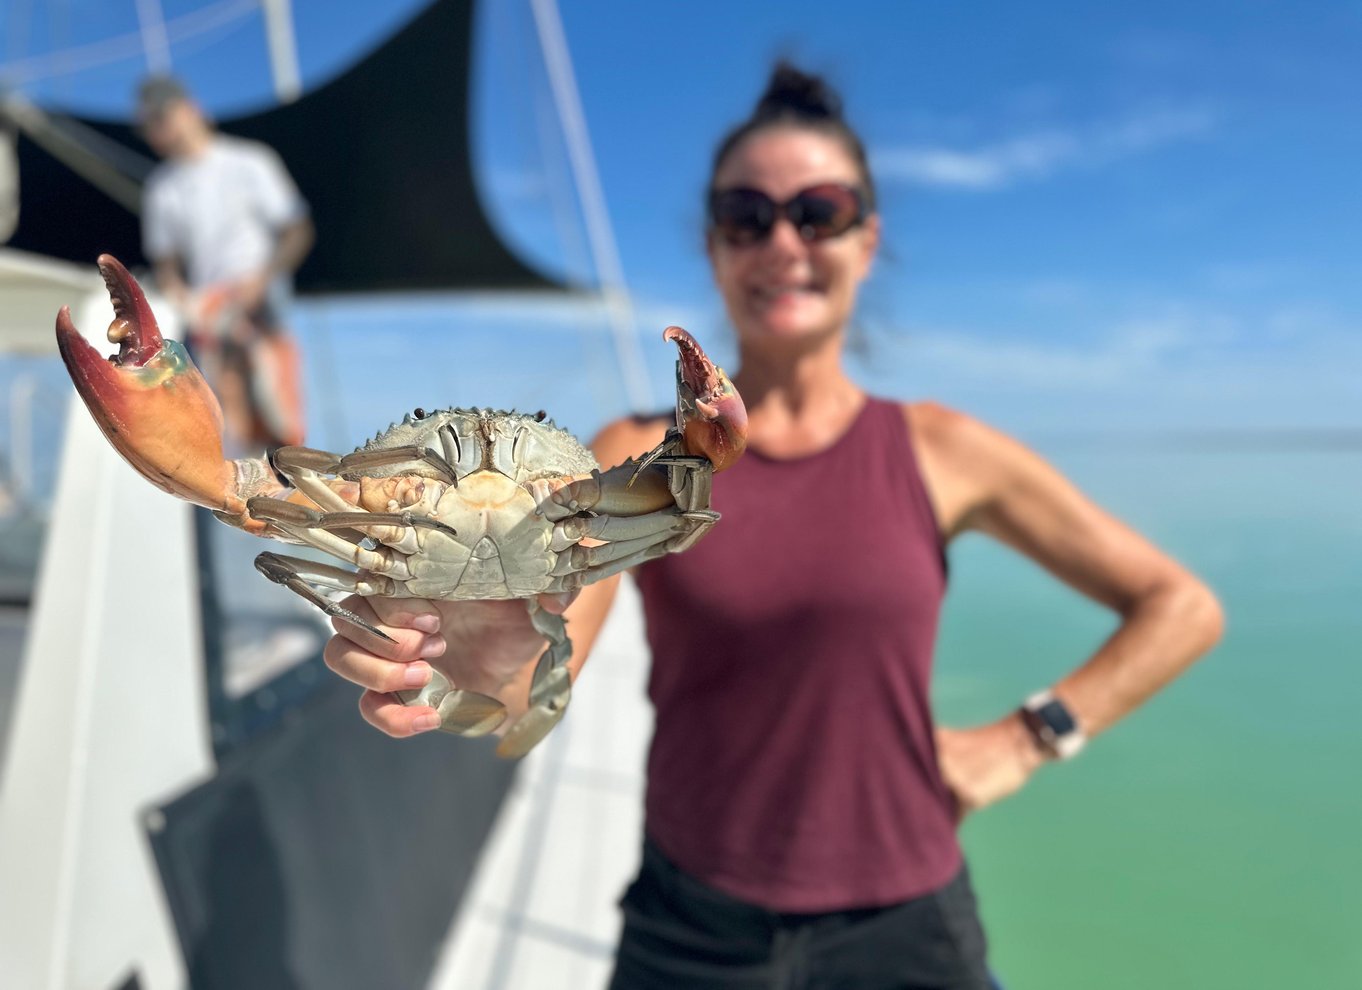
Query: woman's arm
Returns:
{"type": "Point", "coordinates": [981, 480]}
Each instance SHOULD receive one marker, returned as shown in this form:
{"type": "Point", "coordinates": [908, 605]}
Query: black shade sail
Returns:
{"type": "Point", "coordinates": [381, 153]}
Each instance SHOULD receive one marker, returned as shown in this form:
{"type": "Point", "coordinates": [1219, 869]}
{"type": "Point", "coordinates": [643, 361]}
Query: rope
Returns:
{"type": "Point", "coordinates": [80, 58]}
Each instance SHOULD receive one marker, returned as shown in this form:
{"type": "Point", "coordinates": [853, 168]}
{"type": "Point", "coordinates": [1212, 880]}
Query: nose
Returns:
{"type": "Point", "coordinates": [784, 237]}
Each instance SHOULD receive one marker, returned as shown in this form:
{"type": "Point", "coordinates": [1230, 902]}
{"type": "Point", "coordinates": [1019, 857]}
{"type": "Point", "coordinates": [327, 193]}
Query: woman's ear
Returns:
{"type": "Point", "coordinates": [870, 241]}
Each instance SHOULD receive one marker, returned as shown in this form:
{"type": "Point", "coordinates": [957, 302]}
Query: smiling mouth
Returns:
{"type": "Point", "coordinates": [772, 293]}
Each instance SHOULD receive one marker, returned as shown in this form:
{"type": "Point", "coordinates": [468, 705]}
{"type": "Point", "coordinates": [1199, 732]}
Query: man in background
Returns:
{"type": "Point", "coordinates": [225, 228]}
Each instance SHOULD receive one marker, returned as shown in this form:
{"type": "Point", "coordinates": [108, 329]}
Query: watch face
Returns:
{"type": "Point", "coordinates": [1057, 717]}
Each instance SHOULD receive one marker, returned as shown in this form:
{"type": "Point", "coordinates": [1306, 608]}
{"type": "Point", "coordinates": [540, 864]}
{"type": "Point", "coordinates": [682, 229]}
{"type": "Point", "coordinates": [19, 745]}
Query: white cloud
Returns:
{"type": "Point", "coordinates": [1146, 344]}
{"type": "Point", "coordinates": [1040, 154]}
{"type": "Point", "coordinates": [1181, 365]}
{"type": "Point", "coordinates": [988, 168]}
{"type": "Point", "coordinates": [1036, 364]}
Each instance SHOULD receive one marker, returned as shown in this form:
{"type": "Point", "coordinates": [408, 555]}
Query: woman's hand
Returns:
{"type": "Point", "coordinates": [985, 764]}
{"type": "Point", "coordinates": [486, 646]}
{"type": "Point", "coordinates": [490, 647]}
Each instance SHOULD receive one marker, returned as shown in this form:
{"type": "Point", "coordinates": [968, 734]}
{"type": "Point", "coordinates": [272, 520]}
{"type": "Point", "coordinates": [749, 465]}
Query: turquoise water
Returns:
{"type": "Point", "coordinates": [1212, 839]}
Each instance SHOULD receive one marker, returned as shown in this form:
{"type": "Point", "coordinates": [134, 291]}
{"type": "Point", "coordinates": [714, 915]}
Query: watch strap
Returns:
{"type": "Point", "coordinates": [1053, 725]}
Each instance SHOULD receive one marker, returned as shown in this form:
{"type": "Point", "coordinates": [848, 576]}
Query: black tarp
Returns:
{"type": "Point", "coordinates": [324, 854]}
{"type": "Point", "coordinates": [381, 153]}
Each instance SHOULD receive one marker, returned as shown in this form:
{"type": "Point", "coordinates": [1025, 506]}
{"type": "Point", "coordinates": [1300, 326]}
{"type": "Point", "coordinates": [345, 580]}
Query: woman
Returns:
{"type": "Point", "coordinates": [802, 805]}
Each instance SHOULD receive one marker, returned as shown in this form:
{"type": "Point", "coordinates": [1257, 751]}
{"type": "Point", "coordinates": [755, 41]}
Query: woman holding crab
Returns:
{"type": "Point", "coordinates": [802, 804]}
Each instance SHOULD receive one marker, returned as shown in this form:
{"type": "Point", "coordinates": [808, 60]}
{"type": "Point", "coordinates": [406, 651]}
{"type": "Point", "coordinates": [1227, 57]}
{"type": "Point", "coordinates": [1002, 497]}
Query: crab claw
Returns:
{"type": "Point", "coordinates": [149, 399]}
{"type": "Point", "coordinates": [709, 411]}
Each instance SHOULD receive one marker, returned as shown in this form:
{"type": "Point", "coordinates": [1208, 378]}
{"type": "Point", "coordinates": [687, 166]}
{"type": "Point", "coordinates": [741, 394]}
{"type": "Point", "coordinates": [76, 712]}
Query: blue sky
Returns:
{"type": "Point", "coordinates": [1098, 216]}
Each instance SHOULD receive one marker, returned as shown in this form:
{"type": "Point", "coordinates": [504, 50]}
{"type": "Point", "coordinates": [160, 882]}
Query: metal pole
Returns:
{"type": "Point", "coordinates": [288, 84]}
{"type": "Point", "coordinates": [111, 168]}
{"type": "Point", "coordinates": [155, 44]}
{"type": "Point", "coordinates": [605, 254]}
{"type": "Point", "coordinates": [21, 436]}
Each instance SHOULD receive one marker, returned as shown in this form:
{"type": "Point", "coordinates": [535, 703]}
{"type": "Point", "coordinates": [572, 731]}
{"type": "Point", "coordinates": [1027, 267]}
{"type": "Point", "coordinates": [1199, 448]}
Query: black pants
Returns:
{"type": "Point", "coordinates": [680, 934]}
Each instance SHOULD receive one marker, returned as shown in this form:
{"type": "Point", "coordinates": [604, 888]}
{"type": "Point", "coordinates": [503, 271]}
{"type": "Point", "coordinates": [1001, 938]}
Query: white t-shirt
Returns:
{"type": "Point", "coordinates": [221, 212]}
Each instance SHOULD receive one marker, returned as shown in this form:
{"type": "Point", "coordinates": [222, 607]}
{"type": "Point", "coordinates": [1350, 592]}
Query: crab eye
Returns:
{"type": "Point", "coordinates": [540, 416]}
{"type": "Point", "coordinates": [419, 413]}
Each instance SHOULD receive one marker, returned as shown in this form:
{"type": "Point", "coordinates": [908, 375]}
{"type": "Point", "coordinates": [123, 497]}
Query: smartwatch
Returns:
{"type": "Point", "coordinates": [1053, 725]}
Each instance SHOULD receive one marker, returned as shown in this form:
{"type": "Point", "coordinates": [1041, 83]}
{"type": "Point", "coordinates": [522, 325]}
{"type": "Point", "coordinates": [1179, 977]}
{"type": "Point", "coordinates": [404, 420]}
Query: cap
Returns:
{"type": "Point", "coordinates": [156, 93]}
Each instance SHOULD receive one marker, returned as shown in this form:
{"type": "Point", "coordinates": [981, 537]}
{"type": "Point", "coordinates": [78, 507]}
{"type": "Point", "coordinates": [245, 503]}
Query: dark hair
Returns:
{"type": "Point", "coordinates": [156, 93]}
{"type": "Point", "coordinates": [794, 98]}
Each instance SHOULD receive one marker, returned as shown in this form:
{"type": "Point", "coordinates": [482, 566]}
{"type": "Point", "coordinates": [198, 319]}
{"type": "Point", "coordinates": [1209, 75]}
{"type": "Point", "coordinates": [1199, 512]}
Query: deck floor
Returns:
{"type": "Point", "coordinates": [13, 626]}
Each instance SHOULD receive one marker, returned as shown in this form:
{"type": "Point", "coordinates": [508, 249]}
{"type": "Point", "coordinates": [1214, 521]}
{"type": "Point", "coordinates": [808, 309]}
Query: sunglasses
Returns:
{"type": "Point", "coordinates": [747, 216]}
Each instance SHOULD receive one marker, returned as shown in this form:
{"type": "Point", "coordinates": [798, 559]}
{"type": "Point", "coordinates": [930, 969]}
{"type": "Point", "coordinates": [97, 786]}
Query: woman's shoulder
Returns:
{"type": "Point", "coordinates": [937, 427]}
{"type": "Point", "coordinates": [629, 436]}
{"type": "Point", "coordinates": [967, 443]}
{"type": "Point", "coordinates": [962, 459]}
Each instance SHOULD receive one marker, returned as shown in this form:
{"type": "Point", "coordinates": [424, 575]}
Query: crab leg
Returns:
{"type": "Point", "coordinates": [296, 464]}
{"type": "Point", "coordinates": [580, 558]}
{"type": "Point", "coordinates": [155, 408]}
{"type": "Point", "coordinates": [293, 573]}
{"type": "Point", "coordinates": [277, 510]}
{"type": "Point", "coordinates": [590, 575]}
{"type": "Point", "coordinates": [550, 689]}
{"type": "Point", "coordinates": [711, 430]}
{"type": "Point", "coordinates": [710, 415]}
{"type": "Point", "coordinates": [574, 529]}
{"type": "Point", "coordinates": [598, 568]}
{"type": "Point", "coordinates": [385, 560]}
{"type": "Point", "coordinates": [363, 462]}
{"type": "Point", "coordinates": [326, 575]}
{"type": "Point", "coordinates": [464, 713]}
{"type": "Point", "coordinates": [396, 493]}
{"type": "Point", "coordinates": [609, 492]}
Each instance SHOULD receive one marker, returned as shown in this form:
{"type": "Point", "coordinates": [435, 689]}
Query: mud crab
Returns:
{"type": "Point", "coordinates": [450, 504]}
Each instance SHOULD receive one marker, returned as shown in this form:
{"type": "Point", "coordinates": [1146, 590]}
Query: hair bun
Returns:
{"type": "Point", "coordinates": [792, 93]}
{"type": "Point", "coordinates": [798, 100]}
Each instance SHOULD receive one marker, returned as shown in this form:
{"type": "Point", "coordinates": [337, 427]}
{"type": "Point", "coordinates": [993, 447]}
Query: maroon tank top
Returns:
{"type": "Point", "coordinates": [793, 763]}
